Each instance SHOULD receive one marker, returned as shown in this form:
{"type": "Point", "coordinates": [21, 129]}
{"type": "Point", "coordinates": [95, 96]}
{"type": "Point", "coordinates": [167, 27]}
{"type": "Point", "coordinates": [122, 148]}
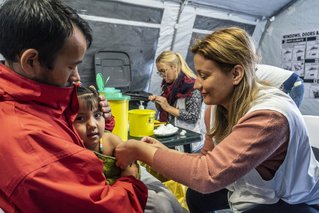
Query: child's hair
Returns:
{"type": "Point", "coordinates": [89, 96]}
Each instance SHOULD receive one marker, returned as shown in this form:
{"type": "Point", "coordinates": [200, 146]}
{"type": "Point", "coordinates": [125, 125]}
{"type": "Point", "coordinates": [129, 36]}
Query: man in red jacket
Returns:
{"type": "Point", "coordinates": [44, 165]}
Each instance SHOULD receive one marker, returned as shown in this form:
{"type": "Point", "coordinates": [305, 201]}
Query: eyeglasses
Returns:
{"type": "Point", "coordinates": [162, 72]}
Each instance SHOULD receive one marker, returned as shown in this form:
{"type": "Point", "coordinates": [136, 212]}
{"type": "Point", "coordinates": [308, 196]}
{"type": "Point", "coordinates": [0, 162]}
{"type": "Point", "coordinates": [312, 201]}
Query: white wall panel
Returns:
{"type": "Point", "coordinates": [302, 16]}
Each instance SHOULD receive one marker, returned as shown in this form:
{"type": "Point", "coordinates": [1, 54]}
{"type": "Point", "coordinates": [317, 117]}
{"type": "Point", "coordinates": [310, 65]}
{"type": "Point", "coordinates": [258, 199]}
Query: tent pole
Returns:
{"type": "Point", "coordinates": [185, 2]}
{"type": "Point", "coordinates": [276, 13]}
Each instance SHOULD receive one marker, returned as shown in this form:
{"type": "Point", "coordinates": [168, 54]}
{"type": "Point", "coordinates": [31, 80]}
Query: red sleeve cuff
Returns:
{"type": "Point", "coordinates": [109, 124]}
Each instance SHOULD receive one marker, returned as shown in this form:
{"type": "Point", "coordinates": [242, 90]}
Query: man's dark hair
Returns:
{"type": "Point", "coordinates": [43, 25]}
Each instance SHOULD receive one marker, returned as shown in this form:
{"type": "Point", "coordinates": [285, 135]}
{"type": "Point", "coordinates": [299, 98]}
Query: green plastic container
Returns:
{"type": "Point", "coordinates": [119, 104]}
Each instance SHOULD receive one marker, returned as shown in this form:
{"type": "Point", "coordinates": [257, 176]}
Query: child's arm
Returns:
{"type": "Point", "coordinates": [109, 142]}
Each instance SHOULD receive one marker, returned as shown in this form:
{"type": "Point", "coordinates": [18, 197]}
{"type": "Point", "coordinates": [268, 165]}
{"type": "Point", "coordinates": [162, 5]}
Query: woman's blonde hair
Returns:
{"type": "Point", "coordinates": [175, 59]}
{"type": "Point", "coordinates": [227, 48]}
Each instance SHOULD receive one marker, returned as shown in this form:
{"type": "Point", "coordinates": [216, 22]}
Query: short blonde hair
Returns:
{"type": "Point", "coordinates": [227, 48]}
{"type": "Point", "coordinates": [175, 59]}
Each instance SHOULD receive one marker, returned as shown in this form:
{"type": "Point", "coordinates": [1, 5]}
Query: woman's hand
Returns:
{"type": "Point", "coordinates": [154, 142]}
{"type": "Point", "coordinates": [128, 152]}
{"type": "Point", "coordinates": [125, 153]}
{"type": "Point", "coordinates": [160, 100]}
{"type": "Point", "coordinates": [152, 97]}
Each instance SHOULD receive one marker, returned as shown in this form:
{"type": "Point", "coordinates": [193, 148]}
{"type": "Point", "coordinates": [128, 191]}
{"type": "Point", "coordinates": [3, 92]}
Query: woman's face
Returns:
{"type": "Point", "coordinates": [168, 73]}
{"type": "Point", "coordinates": [216, 86]}
{"type": "Point", "coordinates": [90, 125]}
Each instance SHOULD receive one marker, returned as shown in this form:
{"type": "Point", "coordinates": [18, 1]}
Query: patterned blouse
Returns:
{"type": "Point", "coordinates": [192, 109]}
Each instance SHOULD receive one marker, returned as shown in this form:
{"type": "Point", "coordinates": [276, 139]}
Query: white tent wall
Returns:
{"type": "Point", "coordinates": [186, 31]}
{"type": "Point", "coordinates": [131, 27]}
{"type": "Point", "coordinates": [145, 28]}
{"type": "Point", "coordinates": [299, 17]}
{"type": "Point", "coordinates": [165, 42]}
{"type": "Point", "coordinates": [252, 7]}
{"type": "Point", "coordinates": [119, 28]}
{"type": "Point", "coordinates": [186, 18]}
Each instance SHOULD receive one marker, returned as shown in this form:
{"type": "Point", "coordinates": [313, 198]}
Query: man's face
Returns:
{"type": "Point", "coordinates": [65, 70]}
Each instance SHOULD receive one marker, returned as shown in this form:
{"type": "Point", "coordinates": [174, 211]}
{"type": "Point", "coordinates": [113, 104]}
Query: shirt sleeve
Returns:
{"type": "Point", "coordinates": [256, 136]}
{"type": "Point", "coordinates": [109, 124]}
{"type": "Point", "coordinates": [192, 109]}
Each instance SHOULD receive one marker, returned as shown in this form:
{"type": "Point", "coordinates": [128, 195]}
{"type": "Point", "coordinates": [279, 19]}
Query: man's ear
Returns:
{"type": "Point", "coordinates": [238, 74]}
{"type": "Point", "coordinates": [30, 62]}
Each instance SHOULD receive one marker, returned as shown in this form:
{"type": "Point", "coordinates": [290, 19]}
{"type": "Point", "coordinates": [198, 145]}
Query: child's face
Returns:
{"type": "Point", "coordinates": [90, 125]}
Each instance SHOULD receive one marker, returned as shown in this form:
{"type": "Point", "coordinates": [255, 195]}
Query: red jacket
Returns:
{"type": "Point", "coordinates": [110, 123]}
{"type": "Point", "coordinates": [44, 165]}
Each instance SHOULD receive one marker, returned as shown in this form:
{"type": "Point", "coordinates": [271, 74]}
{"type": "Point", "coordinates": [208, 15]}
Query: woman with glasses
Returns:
{"type": "Point", "coordinates": [179, 103]}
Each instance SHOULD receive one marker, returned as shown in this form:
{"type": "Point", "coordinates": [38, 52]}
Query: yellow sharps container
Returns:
{"type": "Point", "coordinates": [119, 105]}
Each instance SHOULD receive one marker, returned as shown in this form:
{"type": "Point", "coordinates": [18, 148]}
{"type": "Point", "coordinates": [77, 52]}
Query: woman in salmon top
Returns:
{"type": "Point", "coordinates": [256, 156]}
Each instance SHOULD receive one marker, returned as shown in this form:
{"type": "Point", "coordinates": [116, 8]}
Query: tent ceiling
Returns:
{"type": "Point", "coordinates": [260, 8]}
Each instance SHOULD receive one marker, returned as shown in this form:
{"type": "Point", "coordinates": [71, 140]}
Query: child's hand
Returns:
{"type": "Point", "coordinates": [131, 170]}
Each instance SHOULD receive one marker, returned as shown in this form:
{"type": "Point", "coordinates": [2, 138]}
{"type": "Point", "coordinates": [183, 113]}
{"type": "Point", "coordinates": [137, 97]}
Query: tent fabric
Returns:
{"type": "Point", "coordinates": [145, 28]}
{"type": "Point", "coordinates": [257, 8]}
{"type": "Point", "coordinates": [299, 17]}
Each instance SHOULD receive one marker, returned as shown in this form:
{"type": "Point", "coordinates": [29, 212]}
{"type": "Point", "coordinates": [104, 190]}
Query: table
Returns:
{"type": "Point", "coordinates": [177, 139]}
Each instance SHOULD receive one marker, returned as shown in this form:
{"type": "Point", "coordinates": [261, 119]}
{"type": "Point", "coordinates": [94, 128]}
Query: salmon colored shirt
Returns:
{"type": "Point", "coordinates": [44, 165]}
{"type": "Point", "coordinates": [259, 140]}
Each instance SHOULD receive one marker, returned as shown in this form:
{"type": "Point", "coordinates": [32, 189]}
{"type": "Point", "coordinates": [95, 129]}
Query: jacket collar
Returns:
{"type": "Point", "coordinates": [18, 88]}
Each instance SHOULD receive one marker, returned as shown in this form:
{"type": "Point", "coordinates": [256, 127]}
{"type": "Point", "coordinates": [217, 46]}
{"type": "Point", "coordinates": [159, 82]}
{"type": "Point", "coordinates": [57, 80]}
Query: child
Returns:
{"type": "Point", "coordinates": [90, 125]}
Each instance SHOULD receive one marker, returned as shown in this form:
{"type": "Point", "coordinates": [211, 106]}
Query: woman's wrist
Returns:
{"type": "Point", "coordinates": [173, 111]}
{"type": "Point", "coordinates": [145, 152]}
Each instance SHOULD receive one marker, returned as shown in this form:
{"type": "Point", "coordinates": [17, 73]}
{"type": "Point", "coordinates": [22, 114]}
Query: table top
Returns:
{"type": "Point", "coordinates": [177, 139]}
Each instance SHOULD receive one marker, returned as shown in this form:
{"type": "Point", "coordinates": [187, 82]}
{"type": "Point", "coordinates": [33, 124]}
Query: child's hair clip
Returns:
{"type": "Point", "coordinates": [77, 83]}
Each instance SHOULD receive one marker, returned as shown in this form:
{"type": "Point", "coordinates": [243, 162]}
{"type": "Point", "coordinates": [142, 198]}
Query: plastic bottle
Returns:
{"type": "Point", "coordinates": [141, 106]}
